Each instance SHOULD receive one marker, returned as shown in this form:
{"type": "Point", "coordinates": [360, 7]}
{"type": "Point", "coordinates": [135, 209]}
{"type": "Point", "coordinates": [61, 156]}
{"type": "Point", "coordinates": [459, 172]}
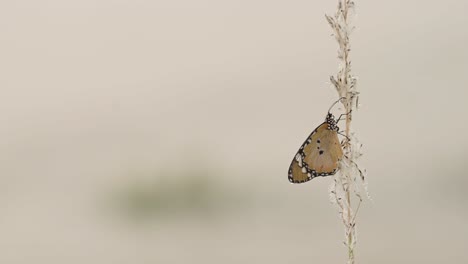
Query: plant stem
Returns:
{"type": "Point", "coordinates": [345, 85]}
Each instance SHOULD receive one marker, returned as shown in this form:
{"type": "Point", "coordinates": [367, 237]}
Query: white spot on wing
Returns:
{"type": "Point", "coordinates": [299, 159]}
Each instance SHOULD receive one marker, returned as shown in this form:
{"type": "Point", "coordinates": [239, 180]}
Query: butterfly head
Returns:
{"type": "Point", "coordinates": [331, 122]}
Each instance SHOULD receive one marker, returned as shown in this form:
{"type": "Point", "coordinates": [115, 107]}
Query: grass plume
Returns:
{"type": "Point", "coordinates": [345, 193]}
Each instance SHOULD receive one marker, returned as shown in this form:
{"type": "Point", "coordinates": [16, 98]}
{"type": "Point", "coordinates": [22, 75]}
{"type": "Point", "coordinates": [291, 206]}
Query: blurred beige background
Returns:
{"type": "Point", "coordinates": [162, 131]}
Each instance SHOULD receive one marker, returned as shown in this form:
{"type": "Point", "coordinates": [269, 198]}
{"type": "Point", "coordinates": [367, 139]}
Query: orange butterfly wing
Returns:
{"type": "Point", "coordinates": [318, 156]}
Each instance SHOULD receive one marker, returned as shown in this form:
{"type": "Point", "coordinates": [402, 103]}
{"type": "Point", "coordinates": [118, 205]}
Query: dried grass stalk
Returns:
{"type": "Point", "coordinates": [344, 191]}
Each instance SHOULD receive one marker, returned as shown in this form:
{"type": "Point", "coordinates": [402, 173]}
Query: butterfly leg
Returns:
{"type": "Point", "coordinates": [339, 118]}
{"type": "Point", "coordinates": [346, 137]}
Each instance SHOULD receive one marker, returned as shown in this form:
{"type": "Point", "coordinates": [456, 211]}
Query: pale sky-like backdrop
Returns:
{"type": "Point", "coordinates": [161, 131]}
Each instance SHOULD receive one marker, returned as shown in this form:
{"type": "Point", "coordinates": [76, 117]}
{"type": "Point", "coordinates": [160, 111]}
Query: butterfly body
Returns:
{"type": "Point", "coordinates": [319, 155]}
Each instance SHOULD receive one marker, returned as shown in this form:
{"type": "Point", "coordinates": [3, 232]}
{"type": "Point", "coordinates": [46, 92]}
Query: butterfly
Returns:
{"type": "Point", "coordinates": [319, 155]}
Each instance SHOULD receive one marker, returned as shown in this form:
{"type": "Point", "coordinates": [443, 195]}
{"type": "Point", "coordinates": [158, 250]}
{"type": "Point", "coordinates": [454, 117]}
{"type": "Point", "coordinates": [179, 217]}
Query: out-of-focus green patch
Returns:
{"type": "Point", "coordinates": [177, 194]}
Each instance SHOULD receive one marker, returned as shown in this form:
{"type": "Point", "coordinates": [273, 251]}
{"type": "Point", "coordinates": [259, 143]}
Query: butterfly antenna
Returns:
{"type": "Point", "coordinates": [335, 103]}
